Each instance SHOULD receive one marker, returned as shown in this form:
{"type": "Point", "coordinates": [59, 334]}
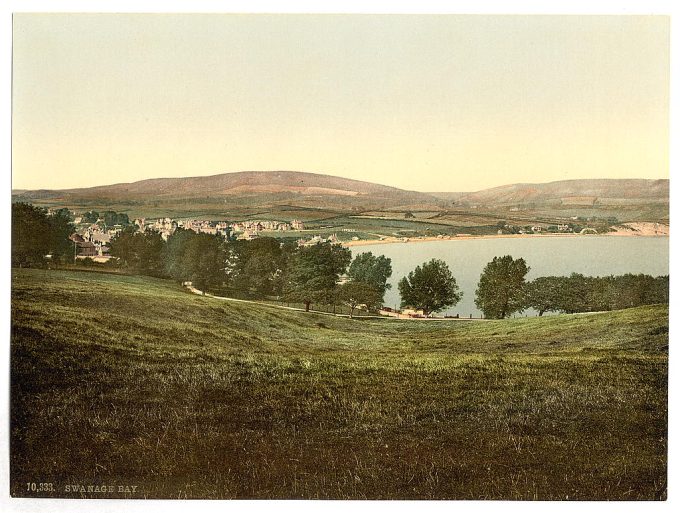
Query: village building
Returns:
{"type": "Point", "coordinates": [86, 249]}
{"type": "Point", "coordinates": [246, 235]}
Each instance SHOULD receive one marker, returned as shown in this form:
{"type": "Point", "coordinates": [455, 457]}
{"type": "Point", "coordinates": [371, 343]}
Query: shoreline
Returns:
{"type": "Point", "coordinates": [397, 240]}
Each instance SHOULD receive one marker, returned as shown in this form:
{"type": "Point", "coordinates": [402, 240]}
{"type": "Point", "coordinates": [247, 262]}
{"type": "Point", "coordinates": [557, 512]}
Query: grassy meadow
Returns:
{"type": "Point", "coordinates": [125, 380]}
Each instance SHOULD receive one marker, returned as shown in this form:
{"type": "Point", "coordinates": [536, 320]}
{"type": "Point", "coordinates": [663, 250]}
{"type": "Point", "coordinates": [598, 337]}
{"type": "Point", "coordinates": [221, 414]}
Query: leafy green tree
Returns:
{"type": "Point", "coordinates": [173, 253]}
{"type": "Point", "coordinates": [430, 288]}
{"type": "Point", "coordinates": [575, 293]}
{"type": "Point", "coordinates": [90, 217]}
{"type": "Point", "coordinates": [36, 234]}
{"type": "Point", "coordinates": [578, 293]}
{"type": "Point", "coordinates": [601, 294]}
{"type": "Point", "coordinates": [139, 252]}
{"type": "Point", "coordinates": [357, 293]}
{"type": "Point", "coordinates": [500, 291]}
{"type": "Point", "coordinates": [204, 261]}
{"type": "Point", "coordinates": [66, 213]}
{"type": "Point", "coordinates": [639, 289]}
{"type": "Point", "coordinates": [60, 229]}
{"type": "Point", "coordinates": [121, 247]}
{"type": "Point", "coordinates": [30, 235]}
{"type": "Point", "coordinates": [544, 294]}
{"type": "Point", "coordinates": [373, 270]}
{"type": "Point", "coordinates": [313, 271]}
{"type": "Point", "coordinates": [257, 266]}
{"type": "Point", "coordinates": [112, 218]}
{"type": "Point", "coordinates": [661, 291]}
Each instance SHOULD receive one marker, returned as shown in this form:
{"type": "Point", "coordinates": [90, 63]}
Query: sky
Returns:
{"type": "Point", "coordinates": [420, 102]}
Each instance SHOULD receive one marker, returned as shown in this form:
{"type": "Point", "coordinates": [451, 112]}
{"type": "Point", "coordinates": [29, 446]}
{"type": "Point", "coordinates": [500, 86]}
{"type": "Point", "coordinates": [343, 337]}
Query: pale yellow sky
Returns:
{"type": "Point", "coordinates": [423, 102]}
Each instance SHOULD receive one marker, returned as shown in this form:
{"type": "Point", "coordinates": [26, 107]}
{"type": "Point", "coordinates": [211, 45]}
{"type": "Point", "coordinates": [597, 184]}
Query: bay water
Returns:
{"type": "Point", "coordinates": [546, 256]}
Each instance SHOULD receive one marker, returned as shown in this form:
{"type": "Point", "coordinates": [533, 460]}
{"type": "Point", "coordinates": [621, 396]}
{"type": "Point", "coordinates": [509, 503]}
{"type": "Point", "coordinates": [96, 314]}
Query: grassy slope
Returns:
{"type": "Point", "coordinates": [132, 380]}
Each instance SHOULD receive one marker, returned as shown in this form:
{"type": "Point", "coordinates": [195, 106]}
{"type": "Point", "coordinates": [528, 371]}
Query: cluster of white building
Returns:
{"type": "Point", "coordinates": [92, 241]}
{"type": "Point", "coordinates": [167, 226]}
{"type": "Point", "coordinates": [317, 239]}
{"type": "Point", "coordinates": [246, 229]}
{"type": "Point", "coordinates": [98, 235]}
{"type": "Point", "coordinates": [212, 228]}
{"type": "Point", "coordinates": [273, 226]}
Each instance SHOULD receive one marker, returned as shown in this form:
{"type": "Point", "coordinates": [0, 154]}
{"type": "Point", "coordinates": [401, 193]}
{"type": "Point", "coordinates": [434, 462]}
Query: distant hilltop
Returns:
{"type": "Point", "coordinates": [255, 186]}
{"type": "Point", "coordinates": [316, 190]}
{"type": "Point", "coordinates": [585, 192]}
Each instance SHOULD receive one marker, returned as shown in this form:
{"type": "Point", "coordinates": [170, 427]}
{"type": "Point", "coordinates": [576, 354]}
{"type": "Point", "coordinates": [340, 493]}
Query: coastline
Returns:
{"type": "Point", "coordinates": [408, 240]}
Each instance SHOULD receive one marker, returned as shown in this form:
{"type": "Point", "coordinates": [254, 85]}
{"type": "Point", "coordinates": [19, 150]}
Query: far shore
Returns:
{"type": "Point", "coordinates": [461, 237]}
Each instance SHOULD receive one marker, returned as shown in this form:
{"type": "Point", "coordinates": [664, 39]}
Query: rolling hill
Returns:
{"type": "Point", "coordinates": [314, 195]}
{"type": "Point", "coordinates": [259, 187]}
{"type": "Point", "coordinates": [568, 192]}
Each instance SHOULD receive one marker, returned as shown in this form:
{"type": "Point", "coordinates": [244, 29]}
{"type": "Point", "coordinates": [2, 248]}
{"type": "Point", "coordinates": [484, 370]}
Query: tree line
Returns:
{"type": "Point", "coordinates": [36, 233]}
{"type": "Point", "coordinates": [108, 217]}
{"type": "Point", "coordinates": [578, 293]}
{"type": "Point", "coordinates": [502, 290]}
{"type": "Point", "coordinates": [265, 267]}
{"type": "Point", "coordinates": [259, 268]}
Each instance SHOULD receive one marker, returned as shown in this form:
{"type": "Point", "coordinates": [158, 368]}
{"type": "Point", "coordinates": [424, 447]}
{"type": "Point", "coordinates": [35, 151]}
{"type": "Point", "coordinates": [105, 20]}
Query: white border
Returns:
{"type": "Point", "coordinates": [331, 6]}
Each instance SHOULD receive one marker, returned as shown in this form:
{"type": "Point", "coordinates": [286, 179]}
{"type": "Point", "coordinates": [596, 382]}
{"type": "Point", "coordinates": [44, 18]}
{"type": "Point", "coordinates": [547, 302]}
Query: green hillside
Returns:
{"type": "Point", "coordinates": [120, 380]}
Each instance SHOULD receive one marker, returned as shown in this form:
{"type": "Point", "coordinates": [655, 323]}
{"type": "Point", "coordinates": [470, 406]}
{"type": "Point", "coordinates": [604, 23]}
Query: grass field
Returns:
{"type": "Point", "coordinates": [131, 381]}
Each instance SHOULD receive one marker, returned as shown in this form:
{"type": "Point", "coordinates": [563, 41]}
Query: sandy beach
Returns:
{"type": "Point", "coordinates": [626, 230]}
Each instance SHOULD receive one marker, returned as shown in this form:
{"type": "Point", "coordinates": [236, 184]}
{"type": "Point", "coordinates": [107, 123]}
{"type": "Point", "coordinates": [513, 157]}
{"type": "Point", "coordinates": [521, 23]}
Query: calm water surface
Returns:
{"type": "Point", "coordinates": [546, 256]}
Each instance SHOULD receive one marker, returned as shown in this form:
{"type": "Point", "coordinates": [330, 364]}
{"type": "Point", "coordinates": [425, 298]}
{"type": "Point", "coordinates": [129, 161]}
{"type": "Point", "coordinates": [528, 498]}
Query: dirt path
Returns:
{"type": "Point", "coordinates": [198, 292]}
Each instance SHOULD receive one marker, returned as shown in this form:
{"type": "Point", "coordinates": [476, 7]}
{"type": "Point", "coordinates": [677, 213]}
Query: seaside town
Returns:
{"type": "Point", "coordinates": [93, 233]}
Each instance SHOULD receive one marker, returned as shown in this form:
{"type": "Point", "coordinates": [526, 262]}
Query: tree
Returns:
{"type": "Point", "coordinates": [544, 294]}
{"type": "Point", "coordinates": [65, 212]}
{"type": "Point", "coordinates": [576, 290]}
{"type": "Point", "coordinates": [356, 293]}
{"type": "Point", "coordinates": [204, 260]}
{"type": "Point", "coordinates": [500, 289]}
{"type": "Point", "coordinates": [90, 217]}
{"type": "Point", "coordinates": [196, 257]}
{"type": "Point", "coordinates": [313, 272]}
{"type": "Point", "coordinates": [112, 218]}
{"type": "Point", "coordinates": [578, 293]}
{"type": "Point", "coordinates": [60, 228]}
{"type": "Point", "coordinates": [257, 266]}
{"type": "Point", "coordinates": [140, 252]}
{"type": "Point", "coordinates": [661, 290]}
{"type": "Point", "coordinates": [639, 289]}
{"type": "Point", "coordinates": [30, 235]}
{"type": "Point", "coordinates": [372, 270]}
{"type": "Point", "coordinates": [173, 253]}
{"type": "Point", "coordinates": [601, 294]}
{"type": "Point", "coordinates": [430, 288]}
{"type": "Point", "coordinates": [36, 234]}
